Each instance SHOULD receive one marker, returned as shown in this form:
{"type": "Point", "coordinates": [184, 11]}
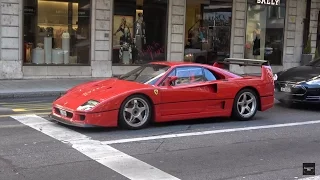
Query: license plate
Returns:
{"type": "Point", "coordinates": [63, 113]}
{"type": "Point", "coordinates": [285, 89]}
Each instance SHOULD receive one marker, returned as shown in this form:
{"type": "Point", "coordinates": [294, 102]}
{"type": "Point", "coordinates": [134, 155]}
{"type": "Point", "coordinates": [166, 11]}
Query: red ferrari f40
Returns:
{"type": "Point", "coordinates": [167, 91]}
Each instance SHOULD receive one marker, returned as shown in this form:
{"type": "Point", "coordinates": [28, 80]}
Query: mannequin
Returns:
{"type": "Point", "coordinates": [125, 51]}
{"type": "Point", "coordinates": [139, 35]}
{"type": "Point", "coordinates": [256, 41]}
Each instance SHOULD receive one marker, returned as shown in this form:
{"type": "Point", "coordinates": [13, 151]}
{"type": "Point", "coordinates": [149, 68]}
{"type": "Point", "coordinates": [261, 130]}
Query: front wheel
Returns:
{"type": "Point", "coordinates": [245, 105]}
{"type": "Point", "coordinates": [135, 112]}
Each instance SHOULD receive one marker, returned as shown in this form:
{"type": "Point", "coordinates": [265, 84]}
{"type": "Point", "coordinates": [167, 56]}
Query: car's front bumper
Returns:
{"type": "Point", "coordinates": [85, 119]}
{"type": "Point", "coordinates": [294, 98]}
{"type": "Point", "coordinates": [68, 122]}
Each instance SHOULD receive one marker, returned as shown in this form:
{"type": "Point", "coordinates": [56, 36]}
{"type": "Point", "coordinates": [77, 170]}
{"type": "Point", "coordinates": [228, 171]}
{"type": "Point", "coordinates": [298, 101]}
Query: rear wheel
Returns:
{"type": "Point", "coordinates": [135, 112]}
{"type": "Point", "coordinates": [245, 105]}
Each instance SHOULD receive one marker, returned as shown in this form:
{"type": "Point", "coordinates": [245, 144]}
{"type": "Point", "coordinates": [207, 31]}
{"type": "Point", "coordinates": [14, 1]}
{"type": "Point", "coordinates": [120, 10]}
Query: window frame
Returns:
{"type": "Point", "coordinates": [174, 69]}
{"type": "Point", "coordinates": [112, 31]}
{"type": "Point", "coordinates": [283, 4]}
{"type": "Point", "coordinates": [90, 38]}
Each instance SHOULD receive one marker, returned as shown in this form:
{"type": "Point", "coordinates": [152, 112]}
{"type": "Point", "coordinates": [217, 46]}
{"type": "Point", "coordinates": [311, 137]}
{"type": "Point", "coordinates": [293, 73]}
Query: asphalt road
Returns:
{"type": "Point", "coordinates": [272, 146]}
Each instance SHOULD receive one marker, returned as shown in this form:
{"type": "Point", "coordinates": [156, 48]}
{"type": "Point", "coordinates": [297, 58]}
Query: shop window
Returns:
{"type": "Point", "coordinates": [56, 32]}
{"type": "Point", "coordinates": [208, 31]}
{"type": "Point", "coordinates": [265, 31]}
{"type": "Point", "coordinates": [139, 31]}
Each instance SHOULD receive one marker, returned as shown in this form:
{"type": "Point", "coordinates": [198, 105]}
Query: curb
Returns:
{"type": "Point", "coordinates": [30, 94]}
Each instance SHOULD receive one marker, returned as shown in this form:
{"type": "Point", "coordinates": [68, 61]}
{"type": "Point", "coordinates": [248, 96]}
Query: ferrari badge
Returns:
{"type": "Point", "coordinates": [156, 91]}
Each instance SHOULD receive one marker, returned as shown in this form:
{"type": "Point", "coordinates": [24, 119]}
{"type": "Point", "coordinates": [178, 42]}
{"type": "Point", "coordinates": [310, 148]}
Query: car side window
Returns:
{"type": "Point", "coordinates": [172, 73]}
{"type": "Point", "coordinates": [209, 75]}
{"type": "Point", "coordinates": [189, 75]}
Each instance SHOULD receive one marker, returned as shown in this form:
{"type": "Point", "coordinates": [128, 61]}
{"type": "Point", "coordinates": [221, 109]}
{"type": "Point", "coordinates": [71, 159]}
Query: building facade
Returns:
{"type": "Point", "coordinates": [101, 38]}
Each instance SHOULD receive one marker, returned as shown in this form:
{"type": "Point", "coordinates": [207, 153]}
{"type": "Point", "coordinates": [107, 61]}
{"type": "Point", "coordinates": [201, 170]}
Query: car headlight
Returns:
{"type": "Point", "coordinates": [189, 55]}
{"type": "Point", "coordinates": [88, 105]}
{"type": "Point", "coordinates": [314, 82]}
{"type": "Point", "coordinates": [275, 77]}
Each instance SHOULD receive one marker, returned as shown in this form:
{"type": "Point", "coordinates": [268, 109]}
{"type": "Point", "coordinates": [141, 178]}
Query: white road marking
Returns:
{"type": "Point", "coordinates": [311, 178]}
{"type": "Point", "coordinates": [108, 156]}
{"type": "Point", "coordinates": [200, 133]}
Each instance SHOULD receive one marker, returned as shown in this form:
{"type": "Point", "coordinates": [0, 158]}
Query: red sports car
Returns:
{"type": "Point", "coordinates": [167, 91]}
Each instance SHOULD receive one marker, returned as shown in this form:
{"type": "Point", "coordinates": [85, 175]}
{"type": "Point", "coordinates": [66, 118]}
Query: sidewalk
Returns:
{"type": "Point", "coordinates": [38, 87]}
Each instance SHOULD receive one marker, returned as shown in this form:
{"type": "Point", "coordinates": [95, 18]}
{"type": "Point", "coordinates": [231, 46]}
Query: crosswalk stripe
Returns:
{"type": "Point", "coordinates": [311, 178]}
{"type": "Point", "coordinates": [106, 155]}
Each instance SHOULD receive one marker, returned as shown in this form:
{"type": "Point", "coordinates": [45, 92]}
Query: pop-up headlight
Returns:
{"type": "Point", "coordinates": [88, 105]}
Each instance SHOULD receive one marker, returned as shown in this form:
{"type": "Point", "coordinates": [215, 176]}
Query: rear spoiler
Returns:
{"type": "Point", "coordinates": [242, 62]}
{"type": "Point", "coordinates": [266, 71]}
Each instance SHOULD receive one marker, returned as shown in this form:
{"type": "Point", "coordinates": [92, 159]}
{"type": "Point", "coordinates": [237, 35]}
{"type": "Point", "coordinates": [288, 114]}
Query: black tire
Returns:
{"type": "Point", "coordinates": [122, 119]}
{"type": "Point", "coordinates": [235, 110]}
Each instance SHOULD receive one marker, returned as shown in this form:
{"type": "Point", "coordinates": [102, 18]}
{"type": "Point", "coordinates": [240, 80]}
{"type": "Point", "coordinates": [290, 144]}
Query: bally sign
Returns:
{"type": "Point", "coordinates": [269, 2]}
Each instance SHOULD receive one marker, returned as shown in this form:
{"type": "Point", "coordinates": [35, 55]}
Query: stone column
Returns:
{"type": "Point", "coordinates": [315, 8]}
{"type": "Point", "coordinates": [293, 39]}
{"type": "Point", "coordinates": [11, 39]}
{"type": "Point", "coordinates": [238, 32]}
{"type": "Point", "coordinates": [176, 30]}
{"type": "Point", "coordinates": [101, 38]}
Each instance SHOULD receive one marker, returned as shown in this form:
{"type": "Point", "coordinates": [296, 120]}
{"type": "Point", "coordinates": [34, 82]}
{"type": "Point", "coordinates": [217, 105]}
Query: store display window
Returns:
{"type": "Point", "coordinates": [56, 32]}
{"type": "Point", "coordinates": [208, 31]}
{"type": "Point", "coordinates": [139, 31]}
{"type": "Point", "coordinates": [265, 31]}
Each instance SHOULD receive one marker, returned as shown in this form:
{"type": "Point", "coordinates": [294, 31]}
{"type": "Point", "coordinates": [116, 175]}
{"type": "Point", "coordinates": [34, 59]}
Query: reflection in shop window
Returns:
{"type": "Point", "coordinates": [208, 31]}
{"type": "Point", "coordinates": [265, 32]}
{"type": "Point", "coordinates": [56, 32]}
{"type": "Point", "coordinates": [139, 31]}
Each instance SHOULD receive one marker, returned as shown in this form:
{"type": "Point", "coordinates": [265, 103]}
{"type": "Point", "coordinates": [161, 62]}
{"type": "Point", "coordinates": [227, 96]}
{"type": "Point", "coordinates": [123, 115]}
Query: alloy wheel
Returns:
{"type": "Point", "coordinates": [136, 112]}
{"type": "Point", "coordinates": [246, 104]}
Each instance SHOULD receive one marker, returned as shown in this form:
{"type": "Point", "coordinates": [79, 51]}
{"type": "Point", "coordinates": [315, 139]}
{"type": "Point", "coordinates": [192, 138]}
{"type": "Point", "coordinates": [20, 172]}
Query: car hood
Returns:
{"type": "Point", "coordinates": [297, 74]}
{"type": "Point", "coordinates": [97, 90]}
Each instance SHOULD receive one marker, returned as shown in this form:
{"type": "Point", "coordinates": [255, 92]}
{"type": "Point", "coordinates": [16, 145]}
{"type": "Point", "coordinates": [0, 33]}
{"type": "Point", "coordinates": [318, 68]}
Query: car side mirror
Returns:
{"type": "Point", "coordinates": [170, 80]}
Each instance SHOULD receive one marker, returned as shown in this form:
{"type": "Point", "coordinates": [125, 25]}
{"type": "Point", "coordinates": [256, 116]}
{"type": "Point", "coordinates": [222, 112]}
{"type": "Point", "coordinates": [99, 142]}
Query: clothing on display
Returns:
{"type": "Point", "coordinates": [125, 51]}
{"type": "Point", "coordinates": [256, 47]}
{"type": "Point", "coordinates": [139, 36]}
{"type": "Point", "coordinates": [256, 41]}
{"type": "Point", "coordinates": [28, 52]}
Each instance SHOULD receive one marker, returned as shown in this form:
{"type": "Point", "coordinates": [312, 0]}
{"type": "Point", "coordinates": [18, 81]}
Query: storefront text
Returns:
{"type": "Point", "coordinates": [269, 2]}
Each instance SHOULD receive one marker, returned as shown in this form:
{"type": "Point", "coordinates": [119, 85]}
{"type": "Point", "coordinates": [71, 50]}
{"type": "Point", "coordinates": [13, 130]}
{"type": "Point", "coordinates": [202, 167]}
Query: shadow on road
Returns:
{"type": "Point", "coordinates": [304, 107]}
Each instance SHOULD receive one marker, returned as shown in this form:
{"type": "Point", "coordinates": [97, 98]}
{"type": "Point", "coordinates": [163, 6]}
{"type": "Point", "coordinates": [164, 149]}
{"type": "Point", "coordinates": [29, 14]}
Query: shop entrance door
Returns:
{"type": "Point", "coordinates": [208, 25]}
{"type": "Point", "coordinates": [217, 21]}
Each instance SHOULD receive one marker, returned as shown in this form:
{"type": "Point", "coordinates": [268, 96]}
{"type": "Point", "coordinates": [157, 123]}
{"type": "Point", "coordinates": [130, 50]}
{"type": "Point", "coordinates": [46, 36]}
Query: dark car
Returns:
{"type": "Point", "coordinates": [299, 84]}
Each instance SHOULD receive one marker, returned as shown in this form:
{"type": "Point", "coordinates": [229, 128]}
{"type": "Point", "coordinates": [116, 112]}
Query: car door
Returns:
{"type": "Point", "coordinates": [188, 93]}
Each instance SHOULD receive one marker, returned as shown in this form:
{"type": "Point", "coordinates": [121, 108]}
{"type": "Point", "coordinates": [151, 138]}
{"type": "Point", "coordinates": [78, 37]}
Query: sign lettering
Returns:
{"type": "Point", "coordinates": [269, 2]}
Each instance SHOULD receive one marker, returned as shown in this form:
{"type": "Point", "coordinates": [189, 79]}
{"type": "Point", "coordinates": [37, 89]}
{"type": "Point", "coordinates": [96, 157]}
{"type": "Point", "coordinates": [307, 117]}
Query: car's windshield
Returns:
{"type": "Point", "coordinates": [146, 74]}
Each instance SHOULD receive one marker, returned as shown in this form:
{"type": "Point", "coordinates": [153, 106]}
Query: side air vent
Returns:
{"type": "Point", "coordinates": [215, 88]}
{"type": "Point", "coordinates": [223, 104]}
